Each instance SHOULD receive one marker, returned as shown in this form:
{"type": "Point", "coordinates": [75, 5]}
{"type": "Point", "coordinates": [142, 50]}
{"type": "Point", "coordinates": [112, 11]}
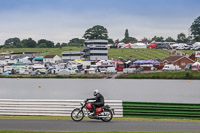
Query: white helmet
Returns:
{"type": "Point", "coordinates": [96, 92]}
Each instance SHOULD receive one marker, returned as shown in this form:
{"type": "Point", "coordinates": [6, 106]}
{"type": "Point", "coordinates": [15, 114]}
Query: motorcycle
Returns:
{"type": "Point", "coordinates": [104, 113]}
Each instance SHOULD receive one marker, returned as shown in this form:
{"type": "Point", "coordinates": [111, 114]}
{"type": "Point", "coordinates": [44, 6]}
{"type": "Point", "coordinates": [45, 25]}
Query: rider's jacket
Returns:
{"type": "Point", "coordinates": [99, 98]}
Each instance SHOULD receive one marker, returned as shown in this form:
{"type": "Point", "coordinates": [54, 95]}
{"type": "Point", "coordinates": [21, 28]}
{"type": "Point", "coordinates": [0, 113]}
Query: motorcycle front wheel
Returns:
{"type": "Point", "coordinates": [108, 114]}
{"type": "Point", "coordinates": [77, 115]}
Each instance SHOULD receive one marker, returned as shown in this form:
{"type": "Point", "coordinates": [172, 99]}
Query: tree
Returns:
{"type": "Point", "coordinates": [49, 44]}
{"type": "Point", "coordinates": [126, 34]}
{"type": "Point", "coordinates": [58, 45]}
{"type": "Point", "coordinates": [157, 39]}
{"type": "Point", "coordinates": [169, 39]}
{"type": "Point", "coordinates": [197, 38]}
{"type": "Point", "coordinates": [195, 28]}
{"type": "Point", "coordinates": [145, 39]}
{"type": "Point", "coordinates": [110, 41]}
{"type": "Point", "coordinates": [12, 42]}
{"type": "Point", "coordinates": [42, 45]}
{"type": "Point", "coordinates": [20, 45]}
{"type": "Point", "coordinates": [76, 42]}
{"type": "Point", "coordinates": [96, 32]}
{"type": "Point", "coordinates": [117, 41]}
{"type": "Point", "coordinates": [129, 39]}
{"type": "Point", "coordinates": [181, 38]}
{"type": "Point", "coordinates": [29, 43]}
{"type": "Point", "coordinates": [64, 44]}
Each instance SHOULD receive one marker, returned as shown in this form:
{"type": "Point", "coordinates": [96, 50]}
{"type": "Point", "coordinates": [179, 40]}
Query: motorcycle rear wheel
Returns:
{"type": "Point", "coordinates": [108, 114]}
{"type": "Point", "coordinates": [77, 115]}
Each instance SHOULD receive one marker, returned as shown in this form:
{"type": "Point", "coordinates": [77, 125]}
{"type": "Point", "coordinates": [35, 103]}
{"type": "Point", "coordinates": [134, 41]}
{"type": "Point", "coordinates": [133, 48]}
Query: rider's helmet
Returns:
{"type": "Point", "coordinates": [96, 92]}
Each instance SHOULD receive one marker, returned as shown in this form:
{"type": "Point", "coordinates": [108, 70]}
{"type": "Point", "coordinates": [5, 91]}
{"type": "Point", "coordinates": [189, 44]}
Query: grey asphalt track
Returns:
{"type": "Point", "coordinates": [85, 125]}
{"type": "Point", "coordinates": [176, 91]}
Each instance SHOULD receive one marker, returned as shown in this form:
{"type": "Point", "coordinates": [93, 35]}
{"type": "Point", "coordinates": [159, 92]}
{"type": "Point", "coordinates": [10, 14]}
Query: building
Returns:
{"type": "Point", "coordinates": [71, 55]}
{"type": "Point", "coordinates": [95, 50]}
{"type": "Point", "coordinates": [52, 59]}
{"type": "Point", "coordinates": [181, 61]}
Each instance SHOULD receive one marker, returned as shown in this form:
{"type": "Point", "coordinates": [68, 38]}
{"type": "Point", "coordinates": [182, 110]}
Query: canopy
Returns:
{"type": "Point", "coordinates": [19, 63]}
{"type": "Point", "coordinates": [196, 44]}
{"type": "Point", "coordinates": [138, 45]}
{"type": "Point", "coordinates": [196, 63]}
{"type": "Point", "coordinates": [153, 46]}
{"type": "Point", "coordinates": [78, 60]}
{"type": "Point", "coordinates": [139, 62]}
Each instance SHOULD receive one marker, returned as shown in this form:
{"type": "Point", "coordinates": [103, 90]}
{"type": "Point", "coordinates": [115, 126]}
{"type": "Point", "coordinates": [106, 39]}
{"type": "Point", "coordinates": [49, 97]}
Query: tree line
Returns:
{"type": "Point", "coordinates": [100, 32]}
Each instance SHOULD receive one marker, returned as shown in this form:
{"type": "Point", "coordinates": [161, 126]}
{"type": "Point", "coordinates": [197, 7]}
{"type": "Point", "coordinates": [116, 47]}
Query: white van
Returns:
{"type": "Point", "coordinates": [1, 69]}
{"type": "Point", "coordinates": [111, 70]}
{"type": "Point", "coordinates": [129, 70]}
{"type": "Point", "coordinates": [171, 67]}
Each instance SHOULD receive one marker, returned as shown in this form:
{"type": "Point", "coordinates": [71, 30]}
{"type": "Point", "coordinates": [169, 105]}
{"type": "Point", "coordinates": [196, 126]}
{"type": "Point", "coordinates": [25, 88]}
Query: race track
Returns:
{"type": "Point", "coordinates": [85, 125]}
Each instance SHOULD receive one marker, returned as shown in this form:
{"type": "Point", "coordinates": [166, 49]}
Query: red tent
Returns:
{"type": "Point", "coordinates": [128, 45]}
{"type": "Point", "coordinates": [153, 46]}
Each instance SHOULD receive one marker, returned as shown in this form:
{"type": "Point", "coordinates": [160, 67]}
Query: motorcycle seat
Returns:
{"type": "Point", "coordinates": [105, 107]}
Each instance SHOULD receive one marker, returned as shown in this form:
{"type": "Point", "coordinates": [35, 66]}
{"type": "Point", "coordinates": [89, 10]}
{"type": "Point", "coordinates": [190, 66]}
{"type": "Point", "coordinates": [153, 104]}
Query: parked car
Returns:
{"type": "Point", "coordinates": [197, 48]}
{"type": "Point", "coordinates": [171, 67]}
{"type": "Point", "coordinates": [180, 48]}
{"type": "Point", "coordinates": [188, 67]}
{"type": "Point", "coordinates": [186, 47]}
{"type": "Point", "coordinates": [90, 71]}
{"type": "Point", "coordinates": [103, 70]}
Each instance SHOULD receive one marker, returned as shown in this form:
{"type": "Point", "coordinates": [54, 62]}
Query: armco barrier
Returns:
{"type": "Point", "coordinates": [48, 107]}
{"type": "Point", "coordinates": [165, 110]}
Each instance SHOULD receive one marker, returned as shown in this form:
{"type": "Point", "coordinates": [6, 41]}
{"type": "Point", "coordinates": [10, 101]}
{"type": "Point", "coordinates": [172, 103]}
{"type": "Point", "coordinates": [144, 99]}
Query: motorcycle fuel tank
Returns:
{"type": "Point", "coordinates": [88, 106]}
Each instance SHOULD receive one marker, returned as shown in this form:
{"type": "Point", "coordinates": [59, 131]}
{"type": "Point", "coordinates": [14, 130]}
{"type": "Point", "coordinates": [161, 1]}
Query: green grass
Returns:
{"type": "Point", "coordinates": [42, 51]}
{"type": "Point", "coordinates": [115, 118]}
{"type": "Point", "coordinates": [189, 52]}
{"type": "Point", "coordinates": [163, 75]}
{"type": "Point", "coordinates": [76, 76]}
{"type": "Point", "coordinates": [112, 53]}
{"type": "Point", "coordinates": [80, 132]}
{"type": "Point", "coordinates": [138, 53]}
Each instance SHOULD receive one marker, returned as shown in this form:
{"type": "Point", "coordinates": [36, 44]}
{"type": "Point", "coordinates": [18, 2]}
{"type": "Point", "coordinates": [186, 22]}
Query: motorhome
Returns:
{"type": "Point", "coordinates": [38, 60]}
{"type": "Point", "coordinates": [171, 67]}
{"type": "Point", "coordinates": [74, 65]}
{"type": "Point", "coordinates": [7, 68]}
{"type": "Point", "coordinates": [195, 66]}
{"type": "Point", "coordinates": [37, 66]}
{"type": "Point", "coordinates": [106, 63]}
{"type": "Point", "coordinates": [1, 69]}
{"type": "Point", "coordinates": [25, 60]}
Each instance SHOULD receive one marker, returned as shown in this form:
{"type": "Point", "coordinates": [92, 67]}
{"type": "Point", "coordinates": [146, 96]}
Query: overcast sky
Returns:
{"type": "Point", "coordinates": [62, 20]}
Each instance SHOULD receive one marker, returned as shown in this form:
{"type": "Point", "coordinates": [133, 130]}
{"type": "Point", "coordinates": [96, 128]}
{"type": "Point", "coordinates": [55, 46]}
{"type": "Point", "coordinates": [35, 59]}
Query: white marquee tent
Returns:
{"type": "Point", "coordinates": [138, 45]}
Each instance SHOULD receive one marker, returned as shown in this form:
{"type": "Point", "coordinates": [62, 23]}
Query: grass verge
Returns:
{"type": "Point", "coordinates": [79, 132]}
{"type": "Point", "coordinates": [77, 76]}
{"type": "Point", "coordinates": [163, 75]}
{"type": "Point", "coordinates": [115, 118]}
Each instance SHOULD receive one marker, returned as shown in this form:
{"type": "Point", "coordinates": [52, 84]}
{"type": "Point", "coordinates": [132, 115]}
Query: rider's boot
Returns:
{"type": "Point", "coordinates": [94, 114]}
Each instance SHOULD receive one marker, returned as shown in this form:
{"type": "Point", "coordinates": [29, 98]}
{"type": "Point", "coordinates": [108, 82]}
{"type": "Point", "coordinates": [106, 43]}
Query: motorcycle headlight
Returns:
{"type": "Point", "coordinates": [82, 103]}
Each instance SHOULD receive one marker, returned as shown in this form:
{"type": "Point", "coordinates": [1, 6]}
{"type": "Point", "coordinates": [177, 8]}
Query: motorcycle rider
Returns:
{"type": "Point", "coordinates": [99, 101]}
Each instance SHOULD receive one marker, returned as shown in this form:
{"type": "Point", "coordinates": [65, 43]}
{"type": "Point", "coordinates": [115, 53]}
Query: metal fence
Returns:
{"type": "Point", "coordinates": [48, 107]}
{"type": "Point", "coordinates": [165, 110]}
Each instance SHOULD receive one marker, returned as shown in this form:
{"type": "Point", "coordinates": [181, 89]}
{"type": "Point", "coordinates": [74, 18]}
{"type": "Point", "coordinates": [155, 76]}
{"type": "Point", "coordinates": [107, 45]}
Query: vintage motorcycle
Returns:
{"type": "Point", "coordinates": [104, 113]}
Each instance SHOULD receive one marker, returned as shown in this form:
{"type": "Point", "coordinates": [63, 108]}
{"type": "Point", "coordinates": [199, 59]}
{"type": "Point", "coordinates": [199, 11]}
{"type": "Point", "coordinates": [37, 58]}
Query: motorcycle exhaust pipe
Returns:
{"type": "Point", "coordinates": [102, 116]}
